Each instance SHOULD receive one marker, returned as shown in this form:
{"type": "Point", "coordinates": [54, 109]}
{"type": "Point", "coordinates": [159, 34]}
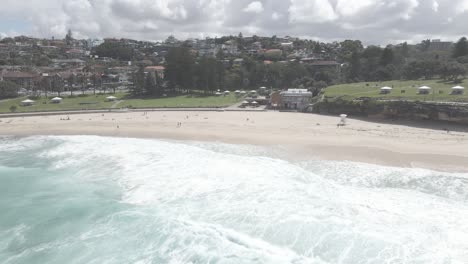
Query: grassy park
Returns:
{"type": "Point", "coordinates": [92, 102]}
{"type": "Point", "coordinates": [441, 91]}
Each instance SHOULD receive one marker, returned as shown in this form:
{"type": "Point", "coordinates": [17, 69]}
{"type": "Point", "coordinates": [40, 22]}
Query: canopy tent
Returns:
{"type": "Point", "coordinates": [237, 91]}
{"type": "Point", "coordinates": [424, 89]}
{"type": "Point", "coordinates": [111, 98]}
{"type": "Point", "coordinates": [27, 102]}
{"type": "Point", "coordinates": [56, 100]}
{"type": "Point", "coordinates": [243, 92]}
{"type": "Point", "coordinates": [254, 102]}
{"type": "Point", "coordinates": [227, 92]}
{"type": "Point", "coordinates": [218, 94]}
{"type": "Point", "coordinates": [458, 89]}
{"type": "Point", "coordinates": [253, 91]}
{"type": "Point", "coordinates": [386, 89]}
{"type": "Point", "coordinates": [245, 102]}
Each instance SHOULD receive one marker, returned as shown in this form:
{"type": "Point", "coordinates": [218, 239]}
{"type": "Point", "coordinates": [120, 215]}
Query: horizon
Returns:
{"type": "Point", "coordinates": [415, 42]}
{"type": "Point", "coordinates": [373, 22]}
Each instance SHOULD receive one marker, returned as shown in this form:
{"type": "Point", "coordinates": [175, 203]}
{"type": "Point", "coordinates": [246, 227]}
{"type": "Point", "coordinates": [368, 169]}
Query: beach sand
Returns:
{"type": "Point", "coordinates": [303, 135]}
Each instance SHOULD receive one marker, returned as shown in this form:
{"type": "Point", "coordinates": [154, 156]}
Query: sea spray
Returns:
{"type": "Point", "coordinates": [87, 199]}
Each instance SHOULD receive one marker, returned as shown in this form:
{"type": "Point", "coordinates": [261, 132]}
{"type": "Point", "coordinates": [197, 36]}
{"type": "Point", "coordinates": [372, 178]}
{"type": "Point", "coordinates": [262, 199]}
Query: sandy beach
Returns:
{"type": "Point", "coordinates": [304, 135]}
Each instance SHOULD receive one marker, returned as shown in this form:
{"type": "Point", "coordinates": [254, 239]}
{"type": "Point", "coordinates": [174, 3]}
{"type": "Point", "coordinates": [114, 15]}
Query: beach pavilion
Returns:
{"type": "Point", "coordinates": [386, 90]}
{"type": "Point", "coordinates": [458, 89]}
{"type": "Point", "coordinates": [424, 89]}
{"type": "Point", "coordinates": [27, 102]}
{"type": "Point", "coordinates": [56, 100]}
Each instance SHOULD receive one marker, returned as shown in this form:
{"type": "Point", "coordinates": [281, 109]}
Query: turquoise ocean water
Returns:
{"type": "Point", "coordinates": [87, 199]}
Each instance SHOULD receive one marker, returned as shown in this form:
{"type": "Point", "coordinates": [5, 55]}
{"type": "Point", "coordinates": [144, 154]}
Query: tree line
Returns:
{"type": "Point", "coordinates": [187, 73]}
{"type": "Point", "coordinates": [402, 61]}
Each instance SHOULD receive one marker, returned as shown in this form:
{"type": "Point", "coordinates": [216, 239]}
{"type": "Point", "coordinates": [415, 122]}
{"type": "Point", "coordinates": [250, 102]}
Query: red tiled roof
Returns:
{"type": "Point", "coordinates": [18, 74]}
{"type": "Point", "coordinates": [155, 68]}
{"type": "Point", "coordinates": [325, 63]}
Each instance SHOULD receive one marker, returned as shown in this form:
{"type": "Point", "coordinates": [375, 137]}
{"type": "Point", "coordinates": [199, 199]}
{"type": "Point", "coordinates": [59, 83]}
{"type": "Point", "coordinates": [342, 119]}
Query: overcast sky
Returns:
{"type": "Point", "coordinates": [373, 21]}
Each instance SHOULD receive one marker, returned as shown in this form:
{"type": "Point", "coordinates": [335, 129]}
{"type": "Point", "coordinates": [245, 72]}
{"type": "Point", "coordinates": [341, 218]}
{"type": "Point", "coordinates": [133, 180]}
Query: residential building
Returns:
{"type": "Point", "coordinates": [438, 45]}
{"type": "Point", "coordinates": [25, 80]}
{"type": "Point", "coordinates": [156, 69]}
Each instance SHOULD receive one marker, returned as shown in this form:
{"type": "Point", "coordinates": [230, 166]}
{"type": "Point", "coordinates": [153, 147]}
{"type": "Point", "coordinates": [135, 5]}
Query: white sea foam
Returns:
{"type": "Point", "coordinates": [217, 203]}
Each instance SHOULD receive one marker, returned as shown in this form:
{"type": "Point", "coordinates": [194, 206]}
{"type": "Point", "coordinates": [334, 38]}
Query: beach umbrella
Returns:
{"type": "Point", "coordinates": [263, 87]}
{"type": "Point", "coordinates": [343, 116]}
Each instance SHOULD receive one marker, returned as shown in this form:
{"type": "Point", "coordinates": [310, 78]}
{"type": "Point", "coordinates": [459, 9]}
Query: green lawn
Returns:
{"type": "Point", "coordinates": [99, 102]}
{"type": "Point", "coordinates": [441, 91]}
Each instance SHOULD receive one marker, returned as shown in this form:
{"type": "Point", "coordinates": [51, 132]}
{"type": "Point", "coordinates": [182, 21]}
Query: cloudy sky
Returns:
{"type": "Point", "coordinates": [373, 21]}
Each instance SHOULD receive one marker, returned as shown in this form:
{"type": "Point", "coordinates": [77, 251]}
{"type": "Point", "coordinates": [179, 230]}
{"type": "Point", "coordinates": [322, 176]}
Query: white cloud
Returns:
{"type": "Point", "coordinates": [254, 7]}
{"type": "Point", "coordinates": [311, 11]}
{"type": "Point", "coordinates": [349, 8]}
{"type": "Point", "coordinates": [373, 21]}
{"type": "Point", "coordinates": [276, 16]}
{"type": "Point", "coordinates": [435, 5]}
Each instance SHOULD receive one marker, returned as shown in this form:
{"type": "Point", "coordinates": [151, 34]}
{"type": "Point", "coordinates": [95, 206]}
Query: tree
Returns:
{"type": "Point", "coordinates": [421, 68]}
{"type": "Point", "coordinates": [69, 38]}
{"type": "Point", "coordinates": [118, 51]}
{"type": "Point", "coordinates": [387, 57]}
{"type": "Point", "coordinates": [45, 84]}
{"type": "Point", "coordinates": [139, 81]}
{"type": "Point", "coordinates": [453, 71]}
{"type": "Point", "coordinates": [8, 89]}
{"type": "Point", "coordinates": [424, 45]}
{"type": "Point", "coordinates": [56, 84]}
{"type": "Point", "coordinates": [82, 81]}
{"type": "Point", "coordinates": [208, 72]}
{"type": "Point", "coordinates": [461, 48]}
{"type": "Point", "coordinates": [180, 65]}
{"type": "Point", "coordinates": [240, 41]}
{"type": "Point", "coordinates": [349, 47]}
{"type": "Point", "coordinates": [71, 80]}
{"type": "Point", "coordinates": [354, 67]}
{"type": "Point", "coordinates": [96, 80]}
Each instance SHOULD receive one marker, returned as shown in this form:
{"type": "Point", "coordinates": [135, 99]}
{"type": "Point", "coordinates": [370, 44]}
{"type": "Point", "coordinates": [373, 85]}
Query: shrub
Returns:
{"type": "Point", "coordinates": [13, 108]}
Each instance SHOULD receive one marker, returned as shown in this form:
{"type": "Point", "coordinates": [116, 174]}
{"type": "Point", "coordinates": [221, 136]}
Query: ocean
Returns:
{"type": "Point", "coordinates": [89, 199]}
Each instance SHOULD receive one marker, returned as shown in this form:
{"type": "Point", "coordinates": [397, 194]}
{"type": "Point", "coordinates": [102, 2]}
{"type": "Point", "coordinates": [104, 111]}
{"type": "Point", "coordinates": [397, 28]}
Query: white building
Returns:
{"type": "Point", "coordinates": [295, 99]}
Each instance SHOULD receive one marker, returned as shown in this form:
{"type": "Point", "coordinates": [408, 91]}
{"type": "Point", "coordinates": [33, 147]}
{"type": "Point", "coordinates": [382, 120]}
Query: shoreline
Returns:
{"type": "Point", "coordinates": [305, 136]}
